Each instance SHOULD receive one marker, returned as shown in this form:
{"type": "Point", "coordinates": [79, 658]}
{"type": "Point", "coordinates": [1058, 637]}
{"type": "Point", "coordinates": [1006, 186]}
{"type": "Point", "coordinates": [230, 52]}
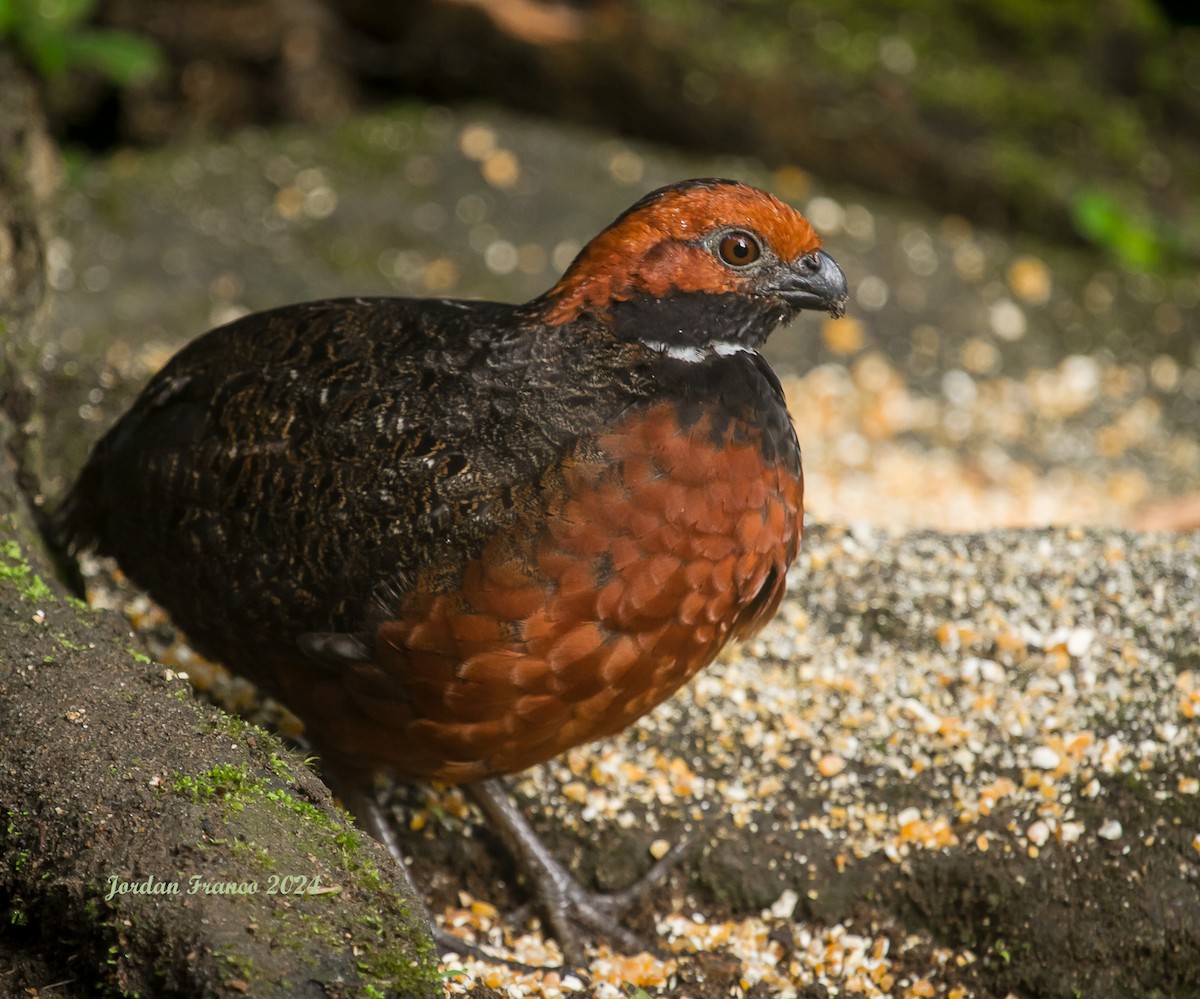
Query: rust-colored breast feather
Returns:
{"type": "Point", "coordinates": [659, 546]}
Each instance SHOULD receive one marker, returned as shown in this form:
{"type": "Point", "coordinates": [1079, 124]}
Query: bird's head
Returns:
{"type": "Point", "coordinates": [696, 264]}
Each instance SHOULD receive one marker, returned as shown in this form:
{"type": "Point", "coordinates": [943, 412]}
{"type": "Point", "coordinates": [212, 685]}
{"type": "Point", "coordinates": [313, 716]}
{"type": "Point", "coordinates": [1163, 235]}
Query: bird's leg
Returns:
{"type": "Point", "coordinates": [359, 800]}
{"type": "Point", "coordinates": [567, 905]}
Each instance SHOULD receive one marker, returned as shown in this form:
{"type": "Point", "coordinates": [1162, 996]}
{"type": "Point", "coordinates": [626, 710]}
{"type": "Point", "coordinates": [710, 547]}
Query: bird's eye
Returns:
{"type": "Point", "coordinates": [739, 249]}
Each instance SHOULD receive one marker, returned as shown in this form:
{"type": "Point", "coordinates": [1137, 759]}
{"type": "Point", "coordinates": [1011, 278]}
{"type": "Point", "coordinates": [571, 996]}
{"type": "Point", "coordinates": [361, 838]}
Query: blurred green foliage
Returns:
{"type": "Point", "coordinates": [1088, 112]}
{"type": "Point", "coordinates": [54, 37]}
{"type": "Point", "coordinates": [1102, 219]}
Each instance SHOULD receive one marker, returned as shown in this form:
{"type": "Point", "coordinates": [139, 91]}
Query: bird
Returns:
{"type": "Point", "coordinates": [460, 537]}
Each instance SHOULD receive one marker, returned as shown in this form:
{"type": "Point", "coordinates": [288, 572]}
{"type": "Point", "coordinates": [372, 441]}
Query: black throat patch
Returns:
{"type": "Point", "coordinates": [697, 319]}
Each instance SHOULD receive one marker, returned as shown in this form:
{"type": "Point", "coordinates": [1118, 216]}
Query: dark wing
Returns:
{"type": "Point", "coordinates": [298, 471]}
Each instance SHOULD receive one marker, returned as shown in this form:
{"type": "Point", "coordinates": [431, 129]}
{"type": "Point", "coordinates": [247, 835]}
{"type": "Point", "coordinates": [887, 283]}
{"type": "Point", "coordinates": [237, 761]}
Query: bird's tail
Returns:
{"type": "Point", "coordinates": [77, 523]}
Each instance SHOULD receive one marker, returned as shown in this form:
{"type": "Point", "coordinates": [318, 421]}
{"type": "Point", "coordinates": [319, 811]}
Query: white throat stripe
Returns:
{"type": "Point", "coordinates": [694, 354]}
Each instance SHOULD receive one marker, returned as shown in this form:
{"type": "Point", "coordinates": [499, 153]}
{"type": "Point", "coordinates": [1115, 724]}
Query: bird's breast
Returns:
{"type": "Point", "coordinates": [661, 537]}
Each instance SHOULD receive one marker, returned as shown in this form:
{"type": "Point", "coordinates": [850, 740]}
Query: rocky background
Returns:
{"type": "Point", "coordinates": [957, 764]}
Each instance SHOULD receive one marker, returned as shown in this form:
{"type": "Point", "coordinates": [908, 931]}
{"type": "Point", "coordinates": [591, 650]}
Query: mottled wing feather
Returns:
{"type": "Point", "coordinates": [263, 457]}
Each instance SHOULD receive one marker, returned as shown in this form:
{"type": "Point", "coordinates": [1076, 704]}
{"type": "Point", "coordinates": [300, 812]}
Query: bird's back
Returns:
{"type": "Point", "coordinates": [282, 468]}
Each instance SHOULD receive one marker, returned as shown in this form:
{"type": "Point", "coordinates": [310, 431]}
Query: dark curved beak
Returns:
{"type": "Point", "coordinates": [814, 281]}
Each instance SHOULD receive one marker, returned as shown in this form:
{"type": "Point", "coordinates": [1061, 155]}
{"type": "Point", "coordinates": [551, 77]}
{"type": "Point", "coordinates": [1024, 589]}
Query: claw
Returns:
{"type": "Point", "coordinates": [568, 906]}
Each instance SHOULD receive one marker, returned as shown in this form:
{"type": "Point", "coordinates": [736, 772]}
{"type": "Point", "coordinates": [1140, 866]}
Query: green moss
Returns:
{"type": "Point", "coordinates": [250, 849]}
{"type": "Point", "coordinates": [302, 808]}
{"type": "Point", "coordinates": [366, 875]}
{"type": "Point", "coordinates": [16, 572]}
{"type": "Point", "coordinates": [232, 783]}
{"type": "Point", "coordinates": [11, 825]}
{"type": "Point", "coordinates": [237, 727]}
{"type": "Point", "coordinates": [388, 961]}
{"type": "Point", "coordinates": [242, 966]}
{"type": "Point", "coordinates": [234, 786]}
{"type": "Point", "coordinates": [348, 840]}
{"type": "Point", "coordinates": [392, 966]}
{"type": "Point", "coordinates": [280, 767]}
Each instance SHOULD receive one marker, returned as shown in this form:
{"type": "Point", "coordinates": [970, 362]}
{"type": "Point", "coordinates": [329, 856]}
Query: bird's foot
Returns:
{"type": "Point", "coordinates": [574, 914]}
